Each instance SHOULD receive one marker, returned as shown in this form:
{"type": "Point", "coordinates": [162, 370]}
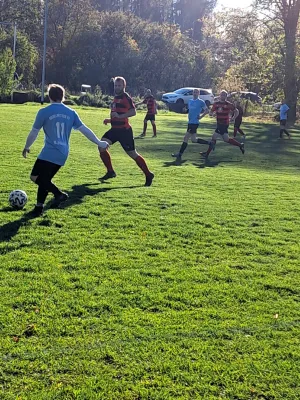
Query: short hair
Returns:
{"type": "Point", "coordinates": [56, 93]}
{"type": "Point", "coordinates": [120, 79]}
{"type": "Point", "coordinates": [224, 91]}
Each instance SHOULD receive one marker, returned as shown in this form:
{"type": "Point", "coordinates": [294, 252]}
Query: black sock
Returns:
{"type": "Point", "coordinates": [286, 132]}
{"type": "Point", "coordinates": [183, 147]}
{"type": "Point", "coordinates": [202, 141]}
{"type": "Point", "coordinates": [281, 132]}
{"type": "Point", "coordinates": [48, 186]}
{"type": "Point", "coordinates": [41, 195]}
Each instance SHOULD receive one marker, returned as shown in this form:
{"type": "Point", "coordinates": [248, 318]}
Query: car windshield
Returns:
{"type": "Point", "coordinates": [181, 91]}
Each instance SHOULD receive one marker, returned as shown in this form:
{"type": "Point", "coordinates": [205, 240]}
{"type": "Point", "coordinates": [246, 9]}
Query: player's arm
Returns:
{"type": "Point", "coordinates": [212, 110]}
{"type": "Point", "coordinates": [89, 134]}
{"type": "Point", "coordinates": [235, 114]}
{"type": "Point", "coordinates": [205, 112]}
{"type": "Point", "coordinates": [31, 138]}
{"type": "Point", "coordinates": [107, 121]}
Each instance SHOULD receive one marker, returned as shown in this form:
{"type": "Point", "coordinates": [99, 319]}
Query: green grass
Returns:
{"type": "Point", "coordinates": [168, 292]}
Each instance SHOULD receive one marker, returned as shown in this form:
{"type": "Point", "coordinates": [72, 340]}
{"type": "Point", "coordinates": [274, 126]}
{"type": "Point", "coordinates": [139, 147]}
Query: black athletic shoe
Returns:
{"type": "Point", "coordinates": [176, 155]}
{"type": "Point", "coordinates": [59, 199]}
{"type": "Point", "coordinates": [36, 212]}
{"type": "Point", "coordinates": [108, 175]}
{"type": "Point", "coordinates": [242, 148]}
{"type": "Point", "coordinates": [149, 179]}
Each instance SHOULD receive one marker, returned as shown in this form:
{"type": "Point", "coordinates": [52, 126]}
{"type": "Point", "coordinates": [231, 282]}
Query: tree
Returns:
{"type": "Point", "coordinates": [7, 69]}
{"type": "Point", "coordinates": [285, 13]}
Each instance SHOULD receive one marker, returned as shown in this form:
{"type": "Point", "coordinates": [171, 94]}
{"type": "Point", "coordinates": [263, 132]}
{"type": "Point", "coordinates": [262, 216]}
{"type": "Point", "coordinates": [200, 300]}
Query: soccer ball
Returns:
{"type": "Point", "coordinates": [18, 199]}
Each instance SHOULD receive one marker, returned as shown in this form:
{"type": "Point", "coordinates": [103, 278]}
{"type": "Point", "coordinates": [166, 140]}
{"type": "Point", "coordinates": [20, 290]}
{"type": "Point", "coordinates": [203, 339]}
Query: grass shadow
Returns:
{"type": "Point", "coordinates": [9, 230]}
{"type": "Point", "coordinates": [79, 192]}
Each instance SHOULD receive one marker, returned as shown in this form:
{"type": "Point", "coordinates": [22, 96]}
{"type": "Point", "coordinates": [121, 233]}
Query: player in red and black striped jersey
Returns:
{"type": "Point", "coordinates": [122, 108]}
{"type": "Point", "coordinates": [151, 112]}
{"type": "Point", "coordinates": [225, 112]}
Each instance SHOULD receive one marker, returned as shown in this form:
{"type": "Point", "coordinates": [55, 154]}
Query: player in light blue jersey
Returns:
{"type": "Point", "coordinates": [57, 121]}
{"type": "Point", "coordinates": [197, 109]}
{"type": "Point", "coordinates": [284, 108]}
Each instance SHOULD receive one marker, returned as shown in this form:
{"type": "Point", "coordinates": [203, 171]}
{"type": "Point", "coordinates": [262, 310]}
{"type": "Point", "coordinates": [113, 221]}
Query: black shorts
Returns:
{"type": "Point", "coordinates": [150, 117]}
{"type": "Point", "coordinates": [237, 123]}
{"type": "Point", "coordinates": [283, 122]}
{"type": "Point", "coordinates": [123, 136]}
{"type": "Point", "coordinates": [192, 128]}
{"type": "Point", "coordinates": [44, 168]}
{"type": "Point", "coordinates": [222, 129]}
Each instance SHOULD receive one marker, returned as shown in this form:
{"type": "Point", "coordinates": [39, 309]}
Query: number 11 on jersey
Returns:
{"type": "Point", "coordinates": [60, 129]}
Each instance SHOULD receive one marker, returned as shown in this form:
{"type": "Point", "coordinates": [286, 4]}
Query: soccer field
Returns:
{"type": "Point", "coordinates": [188, 289]}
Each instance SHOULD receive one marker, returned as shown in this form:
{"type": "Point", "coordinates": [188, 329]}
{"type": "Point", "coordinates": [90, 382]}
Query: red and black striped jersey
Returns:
{"type": "Point", "coordinates": [151, 105]}
{"type": "Point", "coordinates": [121, 105]}
{"type": "Point", "coordinates": [223, 110]}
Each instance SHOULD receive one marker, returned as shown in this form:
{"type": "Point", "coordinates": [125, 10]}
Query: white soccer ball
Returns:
{"type": "Point", "coordinates": [18, 199]}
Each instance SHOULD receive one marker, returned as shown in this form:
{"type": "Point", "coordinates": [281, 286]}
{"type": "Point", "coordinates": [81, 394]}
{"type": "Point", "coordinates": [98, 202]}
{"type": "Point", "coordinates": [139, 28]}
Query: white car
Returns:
{"type": "Point", "coordinates": [182, 96]}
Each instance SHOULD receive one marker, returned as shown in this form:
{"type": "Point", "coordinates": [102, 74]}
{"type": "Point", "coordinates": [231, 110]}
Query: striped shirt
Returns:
{"type": "Point", "coordinates": [224, 110]}
{"type": "Point", "coordinates": [121, 105]}
{"type": "Point", "coordinates": [151, 105]}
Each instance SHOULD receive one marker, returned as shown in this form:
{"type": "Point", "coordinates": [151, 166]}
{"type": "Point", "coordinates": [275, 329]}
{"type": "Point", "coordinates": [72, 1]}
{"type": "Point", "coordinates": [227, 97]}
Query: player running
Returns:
{"type": "Point", "coordinates": [151, 112]}
{"type": "Point", "coordinates": [57, 120]}
{"type": "Point", "coordinates": [122, 108]}
{"type": "Point", "coordinates": [238, 120]}
{"type": "Point", "coordinates": [225, 111]}
{"type": "Point", "coordinates": [197, 109]}
{"type": "Point", "coordinates": [284, 108]}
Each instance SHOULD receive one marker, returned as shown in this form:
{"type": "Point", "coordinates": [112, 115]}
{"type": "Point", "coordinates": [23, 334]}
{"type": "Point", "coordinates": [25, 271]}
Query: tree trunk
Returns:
{"type": "Point", "coordinates": [290, 78]}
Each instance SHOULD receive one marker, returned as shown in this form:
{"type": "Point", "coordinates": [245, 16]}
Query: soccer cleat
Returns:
{"type": "Point", "coordinates": [59, 199]}
{"type": "Point", "coordinates": [37, 211]}
{"type": "Point", "coordinates": [242, 148]}
{"type": "Point", "coordinates": [108, 175]}
{"type": "Point", "coordinates": [176, 155]}
{"type": "Point", "coordinates": [149, 179]}
{"type": "Point", "coordinates": [154, 136]}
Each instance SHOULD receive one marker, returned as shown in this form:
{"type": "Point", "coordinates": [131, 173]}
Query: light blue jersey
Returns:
{"type": "Point", "coordinates": [283, 111]}
{"type": "Point", "coordinates": [196, 107]}
{"type": "Point", "coordinates": [57, 120]}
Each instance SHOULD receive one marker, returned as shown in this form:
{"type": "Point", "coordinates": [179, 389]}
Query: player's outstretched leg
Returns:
{"type": "Point", "coordinates": [141, 163]}
{"type": "Point", "coordinates": [183, 146]}
{"type": "Point", "coordinates": [234, 142]}
{"type": "Point", "coordinates": [106, 159]}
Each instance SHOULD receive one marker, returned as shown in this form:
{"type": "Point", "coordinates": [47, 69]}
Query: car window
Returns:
{"type": "Point", "coordinates": [189, 93]}
{"type": "Point", "coordinates": [204, 92]}
{"type": "Point", "coordinates": [180, 91]}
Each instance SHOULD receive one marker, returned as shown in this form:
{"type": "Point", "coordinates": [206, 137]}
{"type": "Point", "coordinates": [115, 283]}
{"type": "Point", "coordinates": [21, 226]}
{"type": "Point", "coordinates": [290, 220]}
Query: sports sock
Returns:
{"type": "Point", "coordinates": [241, 132]}
{"type": "Point", "coordinates": [41, 195]}
{"type": "Point", "coordinates": [234, 142]}
{"type": "Point", "coordinates": [145, 128]}
{"type": "Point", "coordinates": [105, 157]}
{"type": "Point", "coordinates": [202, 141]}
{"type": "Point", "coordinates": [142, 164]}
{"type": "Point", "coordinates": [210, 147]}
{"type": "Point", "coordinates": [286, 132]}
{"type": "Point", "coordinates": [235, 132]}
{"type": "Point", "coordinates": [182, 148]}
{"type": "Point", "coordinates": [46, 185]}
{"type": "Point", "coordinates": [154, 129]}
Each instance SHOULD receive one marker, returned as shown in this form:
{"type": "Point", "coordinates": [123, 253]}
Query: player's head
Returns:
{"type": "Point", "coordinates": [56, 93]}
{"type": "Point", "coordinates": [196, 93]}
{"type": "Point", "coordinates": [283, 101]}
{"type": "Point", "coordinates": [120, 85]}
{"type": "Point", "coordinates": [148, 93]}
{"type": "Point", "coordinates": [223, 95]}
